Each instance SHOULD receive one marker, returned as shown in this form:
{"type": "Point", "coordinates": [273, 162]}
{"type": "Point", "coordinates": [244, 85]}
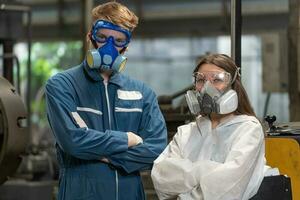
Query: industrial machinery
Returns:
{"type": "Point", "coordinates": [283, 151]}
{"type": "Point", "coordinates": [13, 129]}
{"type": "Point", "coordinates": [25, 166]}
{"type": "Point", "coordinates": [14, 121]}
{"type": "Point", "coordinates": [20, 166]}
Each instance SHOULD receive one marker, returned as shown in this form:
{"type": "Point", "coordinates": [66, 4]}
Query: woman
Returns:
{"type": "Point", "coordinates": [221, 155]}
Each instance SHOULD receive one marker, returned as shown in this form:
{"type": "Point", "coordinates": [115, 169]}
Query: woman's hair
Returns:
{"type": "Point", "coordinates": [225, 62]}
{"type": "Point", "coordinates": [115, 13]}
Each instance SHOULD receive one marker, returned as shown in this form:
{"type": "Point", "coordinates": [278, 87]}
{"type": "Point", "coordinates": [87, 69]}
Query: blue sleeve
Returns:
{"type": "Point", "coordinates": [82, 143]}
{"type": "Point", "coordinates": [154, 133]}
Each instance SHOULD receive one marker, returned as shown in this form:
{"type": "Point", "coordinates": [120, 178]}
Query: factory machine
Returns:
{"type": "Point", "coordinates": [23, 169]}
{"type": "Point", "coordinates": [283, 151]}
{"type": "Point", "coordinates": [13, 130]}
{"type": "Point", "coordinates": [27, 168]}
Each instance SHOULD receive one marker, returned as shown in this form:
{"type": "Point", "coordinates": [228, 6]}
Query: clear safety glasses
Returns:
{"type": "Point", "coordinates": [99, 37]}
{"type": "Point", "coordinates": [218, 79]}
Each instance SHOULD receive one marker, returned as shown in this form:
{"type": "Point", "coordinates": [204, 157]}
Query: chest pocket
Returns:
{"type": "Point", "coordinates": [128, 110]}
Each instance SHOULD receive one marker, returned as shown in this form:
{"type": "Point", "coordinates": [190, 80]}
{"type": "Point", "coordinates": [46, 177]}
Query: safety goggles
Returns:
{"type": "Point", "coordinates": [218, 79]}
{"type": "Point", "coordinates": [101, 38]}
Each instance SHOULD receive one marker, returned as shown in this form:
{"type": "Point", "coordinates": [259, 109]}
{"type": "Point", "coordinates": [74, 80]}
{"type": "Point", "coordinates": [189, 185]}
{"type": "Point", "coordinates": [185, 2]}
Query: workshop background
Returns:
{"type": "Point", "coordinates": [39, 38]}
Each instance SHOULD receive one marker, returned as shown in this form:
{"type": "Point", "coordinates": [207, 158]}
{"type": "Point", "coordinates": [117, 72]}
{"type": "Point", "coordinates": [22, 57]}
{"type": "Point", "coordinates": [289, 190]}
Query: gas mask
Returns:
{"type": "Point", "coordinates": [107, 57]}
{"type": "Point", "coordinates": [211, 100]}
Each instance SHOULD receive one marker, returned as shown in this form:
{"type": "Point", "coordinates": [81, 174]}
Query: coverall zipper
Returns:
{"type": "Point", "coordinates": [109, 121]}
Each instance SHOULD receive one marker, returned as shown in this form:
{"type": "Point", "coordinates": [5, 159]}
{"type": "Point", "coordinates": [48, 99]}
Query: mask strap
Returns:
{"type": "Point", "coordinates": [237, 73]}
{"type": "Point", "coordinates": [197, 119]}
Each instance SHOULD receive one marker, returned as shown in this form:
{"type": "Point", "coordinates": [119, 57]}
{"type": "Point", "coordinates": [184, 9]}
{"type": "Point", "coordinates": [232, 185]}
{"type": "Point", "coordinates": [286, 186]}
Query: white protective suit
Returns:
{"type": "Point", "coordinates": [225, 163]}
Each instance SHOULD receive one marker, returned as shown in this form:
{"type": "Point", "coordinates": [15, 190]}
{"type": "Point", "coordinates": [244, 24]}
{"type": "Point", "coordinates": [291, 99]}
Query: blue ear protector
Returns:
{"type": "Point", "coordinates": [107, 56]}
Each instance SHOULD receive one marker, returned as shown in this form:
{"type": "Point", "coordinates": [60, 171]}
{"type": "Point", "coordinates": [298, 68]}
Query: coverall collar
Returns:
{"type": "Point", "coordinates": [205, 123]}
{"type": "Point", "coordinates": [95, 76]}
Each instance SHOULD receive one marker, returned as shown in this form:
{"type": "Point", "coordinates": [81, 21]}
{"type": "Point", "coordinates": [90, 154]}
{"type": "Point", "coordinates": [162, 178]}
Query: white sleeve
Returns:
{"type": "Point", "coordinates": [171, 173]}
{"type": "Point", "coordinates": [229, 180]}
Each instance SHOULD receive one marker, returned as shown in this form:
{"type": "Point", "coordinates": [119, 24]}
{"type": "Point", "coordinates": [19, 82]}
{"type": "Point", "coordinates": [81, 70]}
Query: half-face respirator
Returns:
{"type": "Point", "coordinates": [212, 99]}
{"type": "Point", "coordinates": [107, 57]}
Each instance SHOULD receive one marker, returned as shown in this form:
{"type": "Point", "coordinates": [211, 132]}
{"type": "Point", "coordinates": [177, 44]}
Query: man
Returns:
{"type": "Point", "coordinates": [107, 126]}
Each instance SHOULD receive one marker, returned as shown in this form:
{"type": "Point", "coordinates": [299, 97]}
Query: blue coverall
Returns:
{"type": "Point", "coordinates": [89, 120]}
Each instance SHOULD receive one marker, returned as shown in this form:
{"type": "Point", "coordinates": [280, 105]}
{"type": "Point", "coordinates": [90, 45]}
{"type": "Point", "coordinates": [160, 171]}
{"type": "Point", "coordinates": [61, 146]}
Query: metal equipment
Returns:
{"type": "Point", "coordinates": [33, 165]}
{"type": "Point", "coordinates": [14, 118]}
{"type": "Point", "coordinates": [175, 116]}
{"type": "Point", "coordinates": [283, 150]}
{"type": "Point", "coordinates": [33, 178]}
{"type": "Point", "coordinates": [13, 129]}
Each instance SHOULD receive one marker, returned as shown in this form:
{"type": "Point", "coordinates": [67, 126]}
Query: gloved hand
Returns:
{"type": "Point", "coordinates": [133, 139]}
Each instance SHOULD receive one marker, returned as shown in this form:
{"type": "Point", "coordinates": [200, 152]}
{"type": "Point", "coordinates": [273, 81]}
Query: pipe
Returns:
{"type": "Point", "coordinates": [236, 31]}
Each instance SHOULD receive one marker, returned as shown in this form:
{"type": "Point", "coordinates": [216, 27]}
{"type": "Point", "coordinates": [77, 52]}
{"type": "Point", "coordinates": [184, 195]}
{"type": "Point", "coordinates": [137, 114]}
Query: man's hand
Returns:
{"type": "Point", "coordinates": [133, 139]}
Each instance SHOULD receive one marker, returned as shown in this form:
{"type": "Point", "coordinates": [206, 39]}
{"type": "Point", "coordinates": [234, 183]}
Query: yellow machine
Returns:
{"type": "Point", "coordinates": [283, 152]}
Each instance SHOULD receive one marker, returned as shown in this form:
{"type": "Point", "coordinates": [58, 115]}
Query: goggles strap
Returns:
{"type": "Point", "coordinates": [93, 41]}
{"type": "Point", "coordinates": [237, 73]}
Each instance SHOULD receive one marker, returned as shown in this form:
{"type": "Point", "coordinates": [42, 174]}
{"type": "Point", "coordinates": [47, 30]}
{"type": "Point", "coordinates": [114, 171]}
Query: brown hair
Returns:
{"type": "Point", "coordinates": [225, 62]}
{"type": "Point", "coordinates": [117, 14]}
